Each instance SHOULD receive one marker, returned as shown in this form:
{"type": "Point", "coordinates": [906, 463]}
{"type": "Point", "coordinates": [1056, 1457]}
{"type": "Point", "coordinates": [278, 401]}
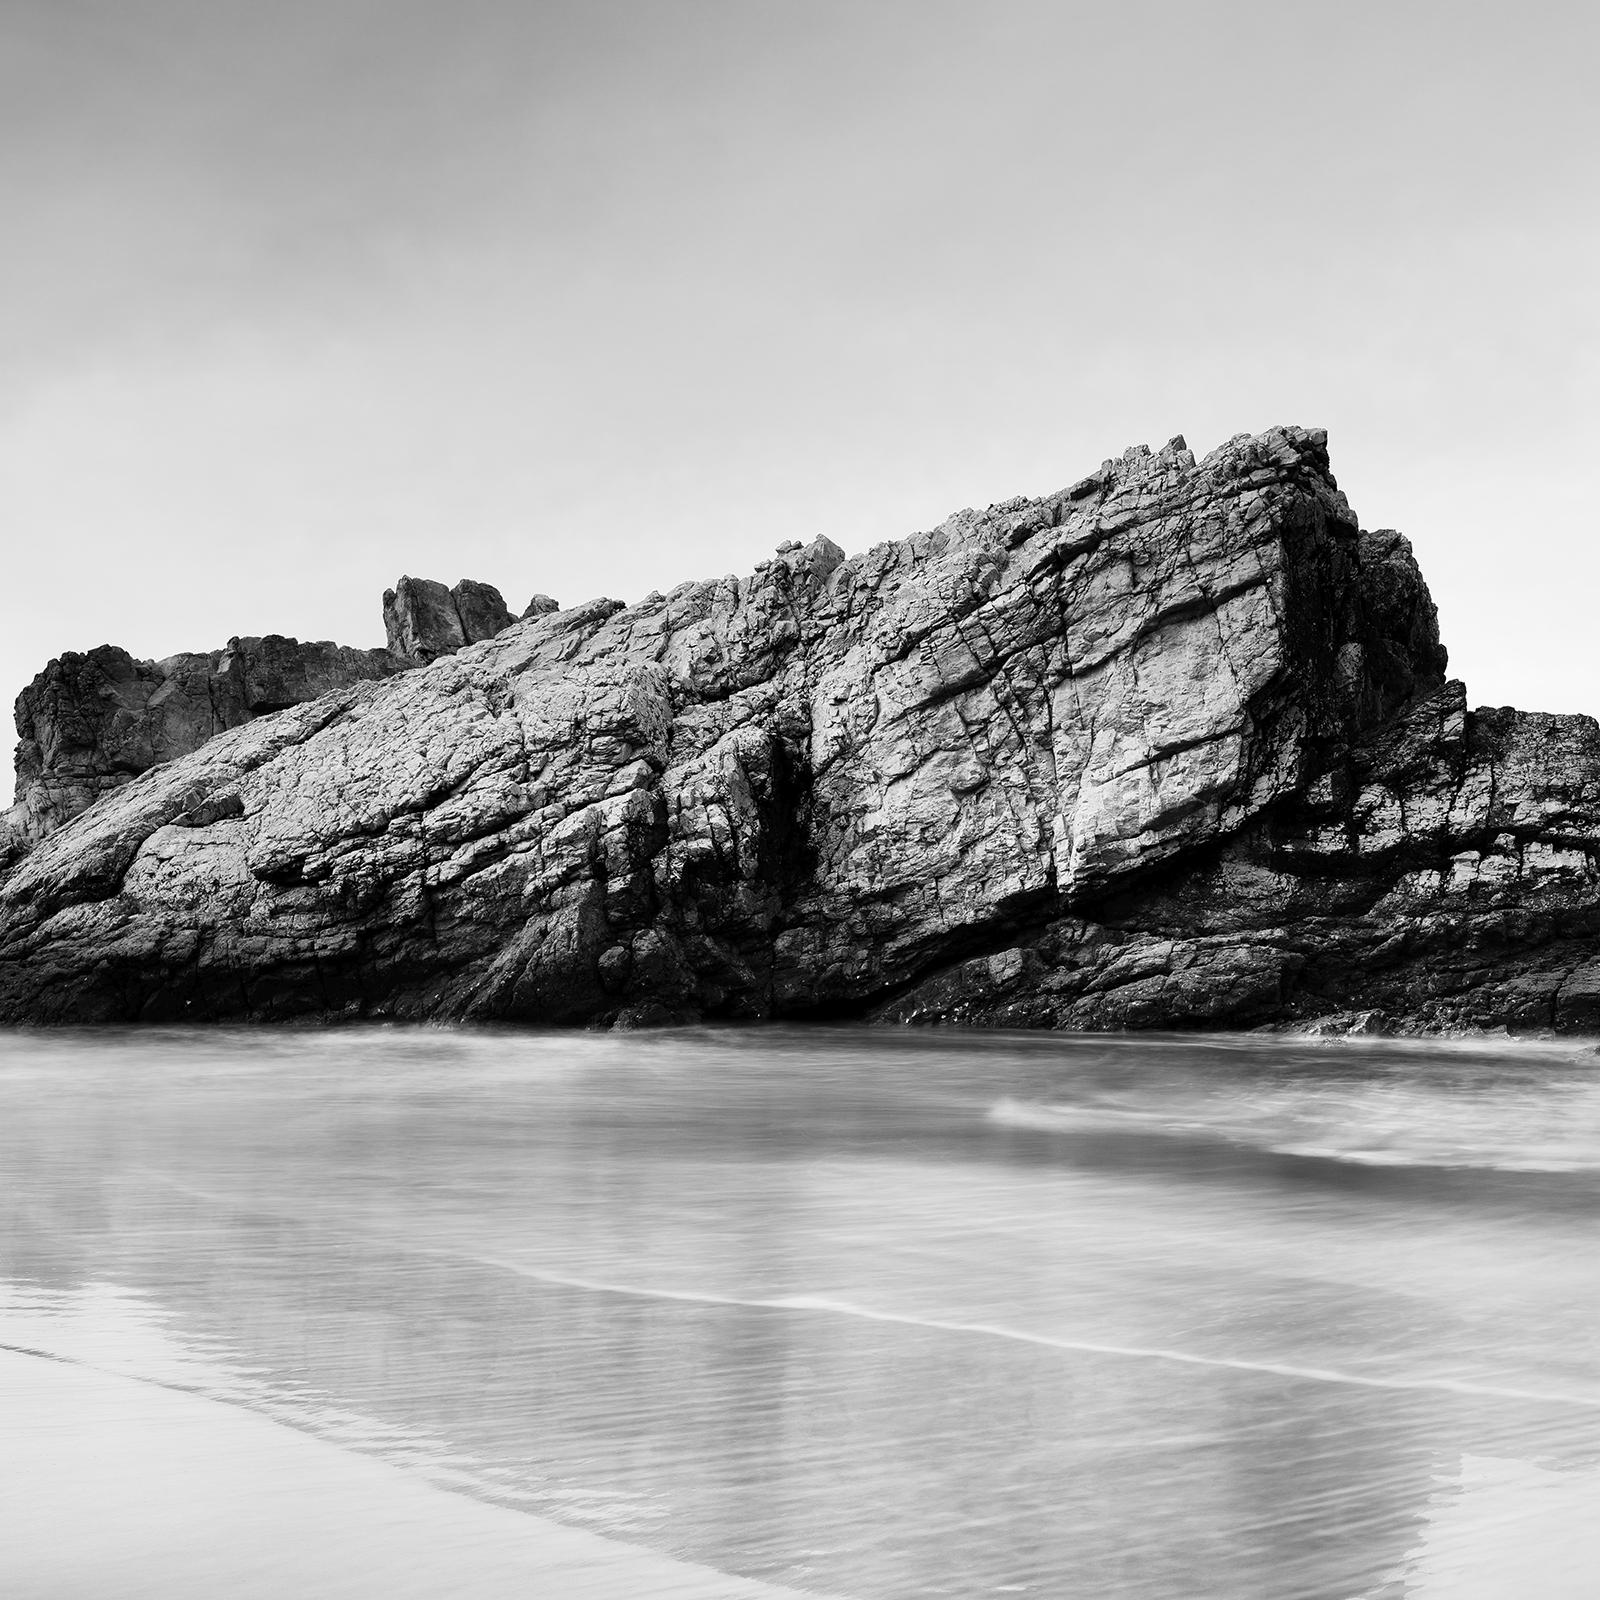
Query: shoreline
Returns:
{"type": "Point", "coordinates": [126, 1489]}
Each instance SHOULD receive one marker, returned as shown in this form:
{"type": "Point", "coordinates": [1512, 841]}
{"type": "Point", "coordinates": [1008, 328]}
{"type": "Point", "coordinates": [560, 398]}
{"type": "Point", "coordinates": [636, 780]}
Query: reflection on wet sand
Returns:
{"type": "Point", "coordinates": [180, 1495]}
{"type": "Point", "coordinates": [801, 1307]}
{"type": "Point", "coordinates": [1496, 1528]}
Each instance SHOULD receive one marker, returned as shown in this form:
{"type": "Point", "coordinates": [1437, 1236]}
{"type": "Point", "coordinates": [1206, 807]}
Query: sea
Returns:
{"type": "Point", "coordinates": [376, 1312]}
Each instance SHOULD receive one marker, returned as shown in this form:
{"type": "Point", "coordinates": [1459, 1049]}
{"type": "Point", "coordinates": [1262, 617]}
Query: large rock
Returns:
{"type": "Point", "coordinates": [1171, 747]}
{"type": "Point", "coordinates": [424, 620]}
{"type": "Point", "coordinates": [1438, 875]}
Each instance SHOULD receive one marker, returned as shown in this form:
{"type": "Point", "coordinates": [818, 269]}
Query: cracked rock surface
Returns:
{"type": "Point", "coordinates": [1172, 747]}
{"type": "Point", "coordinates": [92, 721]}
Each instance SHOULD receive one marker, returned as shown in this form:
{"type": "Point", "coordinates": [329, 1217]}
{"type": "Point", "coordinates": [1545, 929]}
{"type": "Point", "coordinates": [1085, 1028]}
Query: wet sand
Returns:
{"type": "Point", "coordinates": [121, 1490]}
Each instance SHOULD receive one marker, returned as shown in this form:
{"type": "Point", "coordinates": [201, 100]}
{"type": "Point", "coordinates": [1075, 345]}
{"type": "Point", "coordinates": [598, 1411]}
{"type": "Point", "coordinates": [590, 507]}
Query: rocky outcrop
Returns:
{"type": "Point", "coordinates": [424, 620]}
{"type": "Point", "coordinates": [91, 722]}
{"type": "Point", "coordinates": [1438, 876]}
{"type": "Point", "coordinates": [1172, 747]}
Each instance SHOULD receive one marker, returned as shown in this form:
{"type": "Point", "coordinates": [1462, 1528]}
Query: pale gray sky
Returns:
{"type": "Point", "coordinates": [592, 297]}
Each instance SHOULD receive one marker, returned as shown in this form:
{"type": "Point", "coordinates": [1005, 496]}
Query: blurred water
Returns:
{"type": "Point", "coordinates": [866, 1313]}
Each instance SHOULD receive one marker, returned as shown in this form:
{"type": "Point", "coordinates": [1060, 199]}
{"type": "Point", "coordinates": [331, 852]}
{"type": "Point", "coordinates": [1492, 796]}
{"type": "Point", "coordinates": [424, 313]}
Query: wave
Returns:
{"type": "Point", "coordinates": [801, 1304]}
{"type": "Point", "coordinates": [1444, 1160]}
{"type": "Point", "coordinates": [1012, 1113]}
{"type": "Point", "coordinates": [1348, 1130]}
{"type": "Point", "coordinates": [316, 1413]}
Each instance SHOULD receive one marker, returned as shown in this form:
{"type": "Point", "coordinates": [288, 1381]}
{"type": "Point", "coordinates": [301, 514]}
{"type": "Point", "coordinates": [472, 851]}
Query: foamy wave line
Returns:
{"type": "Point", "coordinates": [1072, 1119]}
{"type": "Point", "coordinates": [843, 1308]}
{"type": "Point", "coordinates": [1414, 1158]}
{"type": "Point", "coordinates": [1011, 1113]}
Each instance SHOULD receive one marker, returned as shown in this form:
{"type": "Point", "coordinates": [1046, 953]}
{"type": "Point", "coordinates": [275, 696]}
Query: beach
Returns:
{"type": "Point", "coordinates": [879, 1315]}
{"type": "Point", "coordinates": [122, 1489]}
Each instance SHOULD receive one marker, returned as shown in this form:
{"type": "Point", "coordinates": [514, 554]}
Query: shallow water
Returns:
{"type": "Point", "coordinates": [861, 1313]}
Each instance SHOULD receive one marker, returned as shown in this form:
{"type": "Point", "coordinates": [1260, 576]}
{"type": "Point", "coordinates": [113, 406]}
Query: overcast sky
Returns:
{"type": "Point", "coordinates": [592, 297]}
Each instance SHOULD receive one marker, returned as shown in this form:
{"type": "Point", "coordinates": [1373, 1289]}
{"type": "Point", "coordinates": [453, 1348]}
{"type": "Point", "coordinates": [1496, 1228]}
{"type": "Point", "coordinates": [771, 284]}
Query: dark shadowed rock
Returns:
{"type": "Point", "coordinates": [87, 724]}
{"type": "Point", "coordinates": [90, 722]}
{"type": "Point", "coordinates": [421, 620]}
{"type": "Point", "coordinates": [1172, 747]}
{"type": "Point", "coordinates": [483, 613]}
{"type": "Point", "coordinates": [424, 620]}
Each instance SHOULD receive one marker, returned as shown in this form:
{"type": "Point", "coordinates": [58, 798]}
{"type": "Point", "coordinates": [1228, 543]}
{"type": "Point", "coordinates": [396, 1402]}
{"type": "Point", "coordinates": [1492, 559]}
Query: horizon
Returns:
{"type": "Point", "coordinates": [594, 299]}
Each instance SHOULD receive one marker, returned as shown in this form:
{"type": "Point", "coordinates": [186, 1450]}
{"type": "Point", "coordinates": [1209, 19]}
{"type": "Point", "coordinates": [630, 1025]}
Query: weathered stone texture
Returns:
{"type": "Point", "coordinates": [90, 722]}
{"type": "Point", "coordinates": [1439, 875]}
{"type": "Point", "coordinates": [1171, 747]}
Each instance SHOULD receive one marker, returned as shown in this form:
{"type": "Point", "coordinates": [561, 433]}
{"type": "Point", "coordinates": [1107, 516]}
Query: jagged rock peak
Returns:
{"type": "Point", "coordinates": [424, 620]}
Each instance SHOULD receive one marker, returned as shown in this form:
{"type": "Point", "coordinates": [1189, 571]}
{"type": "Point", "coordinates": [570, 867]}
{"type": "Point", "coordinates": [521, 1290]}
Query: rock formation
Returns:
{"type": "Point", "coordinates": [1172, 747]}
{"type": "Point", "coordinates": [425, 620]}
{"type": "Point", "coordinates": [90, 722]}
